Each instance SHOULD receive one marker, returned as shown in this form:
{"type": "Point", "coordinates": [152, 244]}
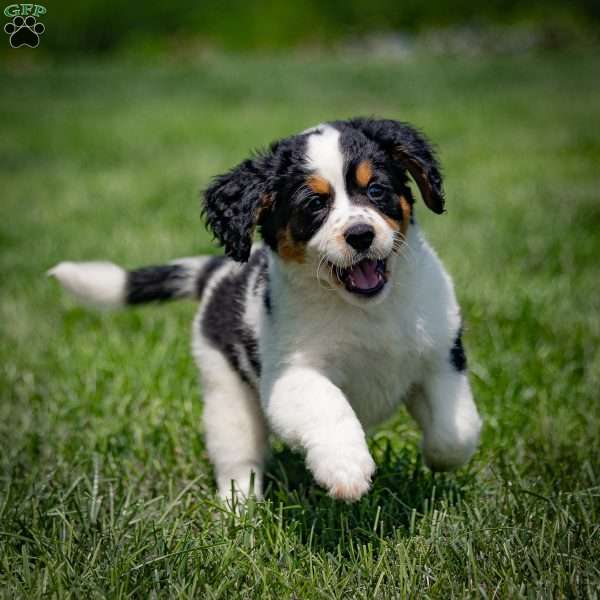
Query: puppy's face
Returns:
{"type": "Point", "coordinates": [346, 214]}
{"type": "Point", "coordinates": [332, 202]}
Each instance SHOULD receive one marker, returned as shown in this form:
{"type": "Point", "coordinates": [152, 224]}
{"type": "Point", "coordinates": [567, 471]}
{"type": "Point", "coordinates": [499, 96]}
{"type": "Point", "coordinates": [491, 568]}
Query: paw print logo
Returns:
{"type": "Point", "coordinates": [24, 32]}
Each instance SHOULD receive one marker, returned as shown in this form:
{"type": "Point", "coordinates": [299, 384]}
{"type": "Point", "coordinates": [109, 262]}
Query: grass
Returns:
{"type": "Point", "coordinates": [105, 488]}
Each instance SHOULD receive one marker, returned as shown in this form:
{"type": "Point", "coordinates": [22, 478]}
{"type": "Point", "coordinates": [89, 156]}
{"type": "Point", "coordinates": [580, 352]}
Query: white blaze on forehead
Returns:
{"type": "Point", "coordinates": [325, 158]}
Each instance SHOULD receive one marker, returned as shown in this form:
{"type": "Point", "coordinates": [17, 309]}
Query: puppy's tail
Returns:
{"type": "Point", "coordinates": [106, 285]}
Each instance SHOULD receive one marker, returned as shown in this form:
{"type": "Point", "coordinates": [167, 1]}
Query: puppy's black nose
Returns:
{"type": "Point", "coordinates": [360, 236]}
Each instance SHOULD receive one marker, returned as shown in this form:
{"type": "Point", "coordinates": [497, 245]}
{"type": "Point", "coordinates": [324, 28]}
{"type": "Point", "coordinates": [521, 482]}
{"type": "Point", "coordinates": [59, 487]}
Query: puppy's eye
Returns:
{"type": "Point", "coordinates": [316, 203]}
{"type": "Point", "coordinates": [375, 191]}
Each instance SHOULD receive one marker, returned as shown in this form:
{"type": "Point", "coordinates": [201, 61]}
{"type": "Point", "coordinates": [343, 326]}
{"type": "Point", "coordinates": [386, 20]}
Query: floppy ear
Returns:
{"type": "Point", "coordinates": [409, 148]}
{"type": "Point", "coordinates": [232, 206]}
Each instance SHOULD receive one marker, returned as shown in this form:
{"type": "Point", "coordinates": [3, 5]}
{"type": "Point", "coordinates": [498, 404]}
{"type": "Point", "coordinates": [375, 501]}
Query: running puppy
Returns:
{"type": "Point", "coordinates": [322, 331]}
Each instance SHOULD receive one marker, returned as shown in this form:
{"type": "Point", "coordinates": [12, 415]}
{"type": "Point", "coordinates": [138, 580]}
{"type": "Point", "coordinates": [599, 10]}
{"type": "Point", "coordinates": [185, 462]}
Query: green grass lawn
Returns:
{"type": "Point", "coordinates": [105, 487]}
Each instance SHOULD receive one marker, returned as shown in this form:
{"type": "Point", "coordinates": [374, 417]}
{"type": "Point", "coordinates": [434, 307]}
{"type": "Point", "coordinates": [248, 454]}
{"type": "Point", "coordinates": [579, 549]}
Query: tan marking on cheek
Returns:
{"type": "Point", "coordinates": [288, 249]}
{"type": "Point", "coordinates": [319, 185]}
{"type": "Point", "coordinates": [405, 208]}
{"type": "Point", "coordinates": [364, 172]}
{"type": "Point", "coordinates": [400, 226]}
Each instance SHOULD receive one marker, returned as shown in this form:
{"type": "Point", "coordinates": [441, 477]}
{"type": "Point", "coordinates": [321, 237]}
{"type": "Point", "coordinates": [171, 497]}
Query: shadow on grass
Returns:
{"type": "Point", "coordinates": [403, 492]}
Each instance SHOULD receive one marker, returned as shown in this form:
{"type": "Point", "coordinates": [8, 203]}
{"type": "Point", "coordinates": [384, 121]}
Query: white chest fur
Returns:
{"type": "Point", "coordinates": [374, 355]}
{"type": "Point", "coordinates": [377, 368]}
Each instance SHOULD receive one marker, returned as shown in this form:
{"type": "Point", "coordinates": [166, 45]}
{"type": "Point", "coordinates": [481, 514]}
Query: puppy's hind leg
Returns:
{"type": "Point", "coordinates": [235, 430]}
{"type": "Point", "coordinates": [446, 412]}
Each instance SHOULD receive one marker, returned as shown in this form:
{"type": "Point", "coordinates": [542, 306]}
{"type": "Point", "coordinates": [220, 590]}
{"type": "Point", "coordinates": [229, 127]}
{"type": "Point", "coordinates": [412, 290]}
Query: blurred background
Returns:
{"type": "Point", "coordinates": [108, 131]}
{"type": "Point", "coordinates": [102, 27]}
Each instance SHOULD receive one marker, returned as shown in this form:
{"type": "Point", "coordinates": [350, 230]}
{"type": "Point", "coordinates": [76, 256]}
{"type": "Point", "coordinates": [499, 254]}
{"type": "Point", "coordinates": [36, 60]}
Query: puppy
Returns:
{"type": "Point", "coordinates": [342, 313]}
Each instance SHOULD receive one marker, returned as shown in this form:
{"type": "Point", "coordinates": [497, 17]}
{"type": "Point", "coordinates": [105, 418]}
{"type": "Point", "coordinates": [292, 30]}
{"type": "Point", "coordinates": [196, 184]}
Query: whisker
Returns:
{"type": "Point", "coordinates": [322, 259]}
{"type": "Point", "coordinates": [401, 244]}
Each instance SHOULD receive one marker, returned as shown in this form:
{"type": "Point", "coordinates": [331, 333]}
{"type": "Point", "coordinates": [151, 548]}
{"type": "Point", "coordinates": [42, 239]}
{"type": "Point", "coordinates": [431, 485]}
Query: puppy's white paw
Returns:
{"type": "Point", "coordinates": [344, 471]}
{"type": "Point", "coordinates": [449, 449]}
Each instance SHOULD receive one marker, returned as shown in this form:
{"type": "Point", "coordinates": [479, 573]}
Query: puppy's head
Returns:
{"type": "Point", "coordinates": [333, 202]}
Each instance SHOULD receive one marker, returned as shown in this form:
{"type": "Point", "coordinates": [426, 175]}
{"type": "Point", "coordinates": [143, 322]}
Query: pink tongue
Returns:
{"type": "Point", "coordinates": [364, 275]}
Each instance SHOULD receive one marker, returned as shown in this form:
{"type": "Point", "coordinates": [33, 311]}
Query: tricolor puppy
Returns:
{"type": "Point", "coordinates": [343, 313]}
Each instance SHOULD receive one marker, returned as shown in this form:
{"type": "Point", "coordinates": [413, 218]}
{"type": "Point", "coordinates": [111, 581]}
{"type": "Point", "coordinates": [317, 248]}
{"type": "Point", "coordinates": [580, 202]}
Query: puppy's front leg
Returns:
{"type": "Point", "coordinates": [306, 409]}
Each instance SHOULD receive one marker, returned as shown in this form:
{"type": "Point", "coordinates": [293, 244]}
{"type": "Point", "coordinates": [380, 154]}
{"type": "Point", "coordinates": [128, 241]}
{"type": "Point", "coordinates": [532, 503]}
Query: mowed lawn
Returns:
{"type": "Point", "coordinates": [105, 487]}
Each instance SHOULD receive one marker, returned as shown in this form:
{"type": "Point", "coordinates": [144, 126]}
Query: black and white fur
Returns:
{"type": "Point", "coordinates": [317, 334]}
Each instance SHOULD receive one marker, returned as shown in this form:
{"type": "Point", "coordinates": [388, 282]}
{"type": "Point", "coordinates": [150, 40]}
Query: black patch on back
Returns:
{"type": "Point", "coordinates": [223, 320]}
{"type": "Point", "coordinates": [458, 358]}
{"type": "Point", "coordinates": [154, 283]}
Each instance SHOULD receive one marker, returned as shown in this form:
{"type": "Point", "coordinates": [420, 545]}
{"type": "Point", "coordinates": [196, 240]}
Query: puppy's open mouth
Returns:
{"type": "Point", "coordinates": [366, 278]}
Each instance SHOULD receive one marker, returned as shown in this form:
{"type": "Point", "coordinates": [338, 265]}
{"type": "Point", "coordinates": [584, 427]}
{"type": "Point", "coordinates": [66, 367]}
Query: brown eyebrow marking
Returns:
{"type": "Point", "coordinates": [364, 172]}
{"type": "Point", "coordinates": [319, 185]}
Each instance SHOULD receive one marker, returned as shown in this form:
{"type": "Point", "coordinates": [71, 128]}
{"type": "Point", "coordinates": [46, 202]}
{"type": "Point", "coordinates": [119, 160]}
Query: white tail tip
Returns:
{"type": "Point", "coordinates": [101, 284]}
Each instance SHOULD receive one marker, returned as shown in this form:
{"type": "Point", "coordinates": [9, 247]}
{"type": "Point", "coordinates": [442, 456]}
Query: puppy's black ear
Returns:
{"type": "Point", "coordinates": [412, 151]}
{"type": "Point", "coordinates": [233, 204]}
